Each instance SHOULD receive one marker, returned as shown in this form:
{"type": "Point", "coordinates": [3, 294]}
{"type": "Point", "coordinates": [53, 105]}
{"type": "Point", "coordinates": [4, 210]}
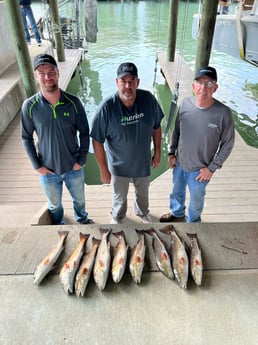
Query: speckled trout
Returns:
{"type": "Point", "coordinates": [180, 261]}
{"type": "Point", "coordinates": [196, 265]}
{"type": "Point", "coordinates": [71, 266]}
{"type": "Point", "coordinates": [47, 264]}
{"type": "Point", "coordinates": [85, 269]}
{"type": "Point", "coordinates": [137, 257]}
{"type": "Point", "coordinates": [119, 258]}
{"type": "Point", "coordinates": [102, 262]}
{"type": "Point", "coordinates": [161, 254]}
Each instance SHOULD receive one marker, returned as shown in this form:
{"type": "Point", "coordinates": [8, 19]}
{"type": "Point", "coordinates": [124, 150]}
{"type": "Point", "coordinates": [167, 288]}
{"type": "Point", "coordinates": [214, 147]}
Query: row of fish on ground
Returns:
{"type": "Point", "coordinates": [177, 263]}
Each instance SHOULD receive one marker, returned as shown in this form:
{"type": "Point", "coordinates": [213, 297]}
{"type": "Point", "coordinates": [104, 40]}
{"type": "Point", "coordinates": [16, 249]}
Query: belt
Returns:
{"type": "Point", "coordinates": [24, 6]}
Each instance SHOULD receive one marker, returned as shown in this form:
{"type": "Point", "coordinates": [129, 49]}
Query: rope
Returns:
{"type": "Point", "coordinates": [173, 107]}
{"type": "Point", "coordinates": [157, 46]}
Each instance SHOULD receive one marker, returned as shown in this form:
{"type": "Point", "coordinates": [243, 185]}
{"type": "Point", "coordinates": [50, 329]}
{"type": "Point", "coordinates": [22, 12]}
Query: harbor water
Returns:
{"type": "Point", "coordinates": [136, 31]}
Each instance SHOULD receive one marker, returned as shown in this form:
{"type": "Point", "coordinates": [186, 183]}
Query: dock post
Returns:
{"type": "Point", "coordinates": [172, 27]}
{"type": "Point", "coordinates": [16, 28]}
{"type": "Point", "coordinates": [59, 45]}
{"type": "Point", "coordinates": [208, 20]}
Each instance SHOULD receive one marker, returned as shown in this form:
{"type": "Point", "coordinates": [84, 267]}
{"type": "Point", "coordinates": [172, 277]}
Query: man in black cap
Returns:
{"type": "Point", "coordinates": [202, 140]}
{"type": "Point", "coordinates": [127, 122]}
{"type": "Point", "coordinates": [61, 125]}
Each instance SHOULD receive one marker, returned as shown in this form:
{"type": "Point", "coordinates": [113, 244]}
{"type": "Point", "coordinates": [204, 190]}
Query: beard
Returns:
{"type": "Point", "coordinates": [50, 88]}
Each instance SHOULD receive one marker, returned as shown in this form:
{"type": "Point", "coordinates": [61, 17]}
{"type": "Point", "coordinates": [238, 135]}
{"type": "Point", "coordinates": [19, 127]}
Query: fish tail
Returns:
{"type": "Point", "coordinates": [104, 231]}
{"type": "Point", "coordinates": [84, 236]}
{"type": "Point", "coordinates": [168, 229]}
{"type": "Point", "coordinates": [191, 236]}
{"type": "Point", "coordinates": [118, 234]}
{"type": "Point", "coordinates": [95, 241]}
{"type": "Point", "coordinates": [150, 231]}
{"type": "Point", "coordinates": [140, 232]}
{"type": "Point", "coordinates": [63, 233]}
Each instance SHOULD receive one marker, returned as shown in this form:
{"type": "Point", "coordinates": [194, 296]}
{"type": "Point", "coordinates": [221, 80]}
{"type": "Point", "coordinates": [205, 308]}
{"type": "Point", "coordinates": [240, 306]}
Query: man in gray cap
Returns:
{"type": "Point", "coordinates": [61, 125]}
{"type": "Point", "coordinates": [127, 122]}
{"type": "Point", "coordinates": [202, 140]}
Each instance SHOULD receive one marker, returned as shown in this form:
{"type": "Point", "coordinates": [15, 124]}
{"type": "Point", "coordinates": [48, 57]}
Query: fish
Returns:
{"type": "Point", "coordinates": [119, 258]}
{"type": "Point", "coordinates": [137, 258]}
{"type": "Point", "coordinates": [71, 266]}
{"type": "Point", "coordinates": [161, 254]}
{"type": "Point", "coordinates": [47, 264]}
{"type": "Point", "coordinates": [83, 275]}
{"type": "Point", "coordinates": [180, 260]}
{"type": "Point", "coordinates": [196, 264]}
{"type": "Point", "coordinates": [102, 262]}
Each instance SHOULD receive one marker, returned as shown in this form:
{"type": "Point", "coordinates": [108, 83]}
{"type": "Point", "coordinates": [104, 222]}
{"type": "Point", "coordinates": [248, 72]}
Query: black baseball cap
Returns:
{"type": "Point", "coordinates": [127, 68]}
{"type": "Point", "coordinates": [207, 71]}
{"type": "Point", "coordinates": [42, 59]}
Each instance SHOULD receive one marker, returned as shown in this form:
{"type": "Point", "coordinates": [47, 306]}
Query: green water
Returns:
{"type": "Point", "coordinates": [136, 31]}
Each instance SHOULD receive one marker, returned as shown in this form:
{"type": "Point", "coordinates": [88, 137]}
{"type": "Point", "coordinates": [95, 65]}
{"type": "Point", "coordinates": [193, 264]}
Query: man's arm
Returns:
{"type": "Point", "coordinates": [156, 136]}
{"type": "Point", "coordinates": [100, 155]}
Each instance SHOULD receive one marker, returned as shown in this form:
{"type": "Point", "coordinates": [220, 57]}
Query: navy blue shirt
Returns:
{"type": "Point", "coordinates": [62, 130]}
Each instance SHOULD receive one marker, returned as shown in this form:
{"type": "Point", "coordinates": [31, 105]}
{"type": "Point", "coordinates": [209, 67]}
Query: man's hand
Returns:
{"type": "Point", "coordinates": [44, 171]}
{"type": "Point", "coordinates": [171, 161]}
{"type": "Point", "coordinates": [204, 175]}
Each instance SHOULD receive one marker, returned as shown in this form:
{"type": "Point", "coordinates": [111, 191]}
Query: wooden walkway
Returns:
{"type": "Point", "coordinates": [232, 194]}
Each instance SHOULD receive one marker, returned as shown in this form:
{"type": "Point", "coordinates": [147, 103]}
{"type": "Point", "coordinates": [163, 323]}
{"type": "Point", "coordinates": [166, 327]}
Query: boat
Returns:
{"type": "Point", "coordinates": [235, 34]}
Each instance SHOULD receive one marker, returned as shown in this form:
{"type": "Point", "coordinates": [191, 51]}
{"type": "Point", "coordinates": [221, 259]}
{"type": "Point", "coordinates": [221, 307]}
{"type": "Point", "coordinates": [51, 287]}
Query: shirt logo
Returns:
{"type": "Point", "coordinates": [66, 114]}
{"type": "Point", "coordinates": [212, 125]}
{"type": "Point", "coordinates": [129, 120]}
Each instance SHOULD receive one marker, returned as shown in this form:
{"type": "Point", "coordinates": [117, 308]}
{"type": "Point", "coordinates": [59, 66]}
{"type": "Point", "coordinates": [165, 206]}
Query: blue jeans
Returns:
{"type": "Point", "coordinates": [26, 12]}
{"type": "Point", "coordinates": [181, 179]}
{"type": "Point", "coordinates": [52, 185]}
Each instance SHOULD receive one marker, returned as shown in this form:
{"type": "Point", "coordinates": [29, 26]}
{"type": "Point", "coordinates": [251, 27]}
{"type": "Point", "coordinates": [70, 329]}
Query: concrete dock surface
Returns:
{"type": "Point", "coordinates": [222, 311]}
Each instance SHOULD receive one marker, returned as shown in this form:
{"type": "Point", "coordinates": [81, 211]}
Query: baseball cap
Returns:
{"type": "Point", "coordinates": [127, 68]}
{"type": "Point", "coordinates": [42, 59]}
{"type": "Point", "coordinates": [207, 71]}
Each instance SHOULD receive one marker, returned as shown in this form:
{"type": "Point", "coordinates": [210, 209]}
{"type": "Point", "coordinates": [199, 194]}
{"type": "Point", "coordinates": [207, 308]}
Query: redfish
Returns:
{"type": "Point", "coordinates": [47, 264]}
{"type": "Point", "coordinates": [102, 261]}
{"type": "Point", "coordinates": [196, 265]}
{"type": "Point", "coordinates": [71, 266]}
{"type": "Point", "coordinates": [137, 258]}
{"type": "Point", "coordinates": [119, 258]}
{"type": "Point", "coordinates": [161, 255]}
{"type": "Point", "coordinates": [180, 261]}
{"type": "Point", "coordinates": [86, 266]}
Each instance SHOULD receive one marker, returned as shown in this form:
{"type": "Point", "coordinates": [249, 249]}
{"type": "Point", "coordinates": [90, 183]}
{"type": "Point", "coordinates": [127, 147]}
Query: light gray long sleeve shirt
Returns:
{"type": "Point", "coordinates": [202, 137]}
